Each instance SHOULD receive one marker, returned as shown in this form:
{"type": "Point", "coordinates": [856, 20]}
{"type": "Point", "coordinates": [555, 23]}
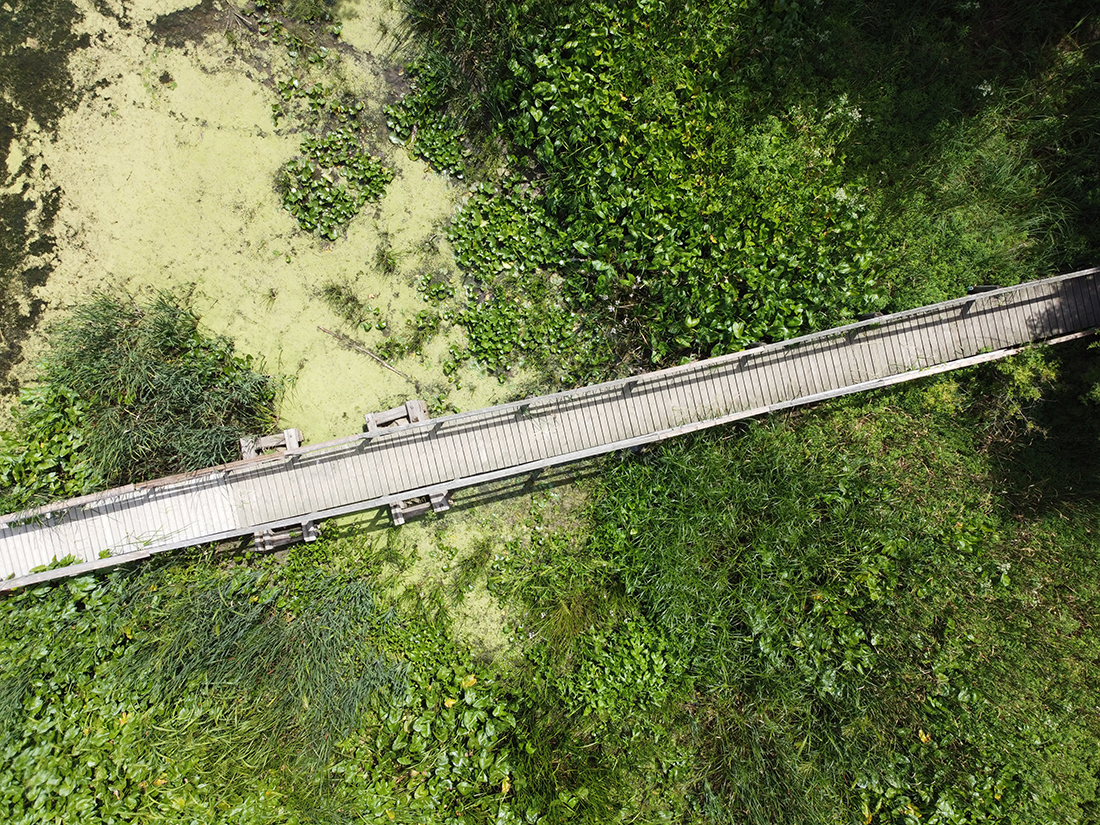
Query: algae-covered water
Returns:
{"type": "Point", "coordinates": [146, 158]}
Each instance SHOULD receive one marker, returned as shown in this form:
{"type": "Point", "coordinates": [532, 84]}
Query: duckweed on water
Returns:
{"type": "Point", "coordinates": [335, 175]}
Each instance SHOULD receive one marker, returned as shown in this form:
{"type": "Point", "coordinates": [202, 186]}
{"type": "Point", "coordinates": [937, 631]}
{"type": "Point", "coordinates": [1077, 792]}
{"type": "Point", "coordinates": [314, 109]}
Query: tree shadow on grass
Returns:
{"type": "Point", "coordinates": [1056, 461]}
{"type": "Point", "coordinates": [990, 105]}
{"type": "Point", "coordinates": [912, 68]}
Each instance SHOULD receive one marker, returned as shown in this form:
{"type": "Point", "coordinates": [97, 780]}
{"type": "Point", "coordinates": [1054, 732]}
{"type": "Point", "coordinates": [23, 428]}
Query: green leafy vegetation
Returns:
{"type": "Point", "coordinates": [44, 458]}
{"type": "Point", "coordinates": [335, 175]}
{"type": "Point", "coordinates": [718, 173]}
{"type": "Point", "coordinates": [877, 610]}
{"type": "Point", "coordinates": [330, 183]}
{"type": "Point", "coordinates": [514, 312]}
{"type": "Point", "coordinates": [421, 123]}
{"type": "Point", "coordinates": [252, 693]}
{"type": "Point", "coordinates": [345, 302]}
{"type": "Point", "coordinates": [130, 392]}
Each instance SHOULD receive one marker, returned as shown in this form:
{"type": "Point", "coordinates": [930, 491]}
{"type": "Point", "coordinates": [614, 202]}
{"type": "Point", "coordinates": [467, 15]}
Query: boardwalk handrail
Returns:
{"type": "Point", "coordinates": [440, 455]}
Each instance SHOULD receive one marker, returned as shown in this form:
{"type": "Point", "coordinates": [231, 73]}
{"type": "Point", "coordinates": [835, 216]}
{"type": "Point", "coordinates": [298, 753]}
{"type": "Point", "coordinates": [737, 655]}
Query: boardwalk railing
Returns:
{"type": "Point", "coordinates": [428, 459]}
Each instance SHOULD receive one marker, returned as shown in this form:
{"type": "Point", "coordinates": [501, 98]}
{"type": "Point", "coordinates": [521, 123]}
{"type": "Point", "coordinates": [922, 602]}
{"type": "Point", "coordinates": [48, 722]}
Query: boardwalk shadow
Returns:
{"type": "Point", "coordinates": [472, 499]}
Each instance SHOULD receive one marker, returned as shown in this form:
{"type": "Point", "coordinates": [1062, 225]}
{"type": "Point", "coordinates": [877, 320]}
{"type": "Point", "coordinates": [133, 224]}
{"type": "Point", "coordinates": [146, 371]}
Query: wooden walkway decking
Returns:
{"type": "Point", "coordinates": [431, 458]}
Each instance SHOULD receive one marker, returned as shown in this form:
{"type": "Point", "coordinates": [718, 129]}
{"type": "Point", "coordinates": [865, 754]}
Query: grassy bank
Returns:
{"type": "Point", "coordinates": [878, 610]}
{"type": "Point", "coordinates": [130, 392]}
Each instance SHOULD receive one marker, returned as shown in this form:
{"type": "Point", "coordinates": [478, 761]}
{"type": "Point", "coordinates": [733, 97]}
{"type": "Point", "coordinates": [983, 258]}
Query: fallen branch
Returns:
{"type": "Point", "coordinates": [351, 344]}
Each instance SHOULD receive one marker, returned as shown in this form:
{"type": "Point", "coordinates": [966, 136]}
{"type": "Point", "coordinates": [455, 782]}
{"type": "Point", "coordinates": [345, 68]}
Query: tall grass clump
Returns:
{"type": "Point", "coordinates": [128, 392]}
{"type": "Point", "coordinates": [285, 674]}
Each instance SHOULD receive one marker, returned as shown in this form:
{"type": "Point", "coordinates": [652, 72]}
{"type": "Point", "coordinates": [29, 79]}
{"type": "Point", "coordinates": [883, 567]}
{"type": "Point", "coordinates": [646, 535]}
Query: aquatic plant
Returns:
{"type": "Point", "coordinates": [422, 124]}
{"type": "Point", "coordinates": [326, 187]}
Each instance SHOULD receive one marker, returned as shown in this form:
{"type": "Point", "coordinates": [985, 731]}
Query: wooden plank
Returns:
{"type": "Point", "coordinates": [968, 337]}
{"type": "Point", "coordinates": [804, 368]}
{"type": "Point", "coordinates": [733, 392]}
{"type": "Point", "coordinates": [942, 349]}
{"type": "Point", "coordinates": [827, 363]}
{"type": "Point", "coordinates": [1078, 315]}
{"type": "Point", "coordinates": [1017, 319]}
{"type": "Point", "coordinates": [489, 447]}
{"type": "Point", "coordinates": [865, 370]}
{"type": "Point", "coordinates": [1090, 287]}
{"type": "Point", "coordinates": [896, 353]}
{"type": "Point", "coordinates": [809, 367]}
{"type": "Point", "coordinates": [429, 448]}
{"type": "Point", "coordinates": [984, 335]}
{"type": "Point", "coordinates": [643, 407]}
{"type": "Point", "coordinates": [603, 413]}
{"type": "Point", "coordinates": [690, 400]}
{"type": "Point", "coordinates": [411, 462]}
{"type": "Point", "coordinates": [1008, 318]}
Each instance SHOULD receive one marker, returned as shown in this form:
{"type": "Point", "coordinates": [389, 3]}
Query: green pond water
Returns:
{"type": "Point", "coordinates": [141, 154]}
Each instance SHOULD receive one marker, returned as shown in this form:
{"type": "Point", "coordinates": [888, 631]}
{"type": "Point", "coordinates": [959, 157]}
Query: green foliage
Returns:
{"type": "Point", "coordinates": [244, 695]}
{"type": "Point", "coordinates": [131, 392]}
{"type": "Point", "coordinates": [442, 753]}
{"type": "Point", "coordinates": [809, 599]}
{"type": "Point", "coordinates": [421, 123]}
{"type": "Point", "coordinates": [757, 626]}
{"type": "Point", "coordinates": [46, 458]}
{"type": "Point", "coordinates": [328, 186]}
{"type": "Point", "coordinates": [720, 172]}
{"type": "Point", "coordinates": [435, 289]}
{"type": "Point", "coordinates": [600, 690]}
{"type": "Point", "coordinates": [422, 327]}
{"type": "Point", "coordinates": [786, 647]}
{"type": "Point", "coordinates": [717, 232]}
{"type": "Point", "coordinates": [619, 673]}
{"type": "Point", "coordinates": [345, 302]}
{"type": "Point", "coordinates": [514, 313]}
{"type": "Point", "coordinates": [675, 218]}
{"type": "Point", "coordinates": [82, 744]}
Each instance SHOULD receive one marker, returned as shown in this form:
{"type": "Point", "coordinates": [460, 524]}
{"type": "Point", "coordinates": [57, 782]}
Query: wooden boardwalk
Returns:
{"type": "Point", "coordinates": [428, 459]}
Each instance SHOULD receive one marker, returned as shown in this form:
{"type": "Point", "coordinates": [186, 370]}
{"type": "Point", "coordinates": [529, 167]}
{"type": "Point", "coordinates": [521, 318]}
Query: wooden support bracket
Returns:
{"type": "Point", "coordinates": [403, 511]}
{"type": "Point", "coordinates": [253, 446]}
{"type": "Point", "coordinates": [411, 412]}
{"type": "Point", "coordinates": [267, 540]}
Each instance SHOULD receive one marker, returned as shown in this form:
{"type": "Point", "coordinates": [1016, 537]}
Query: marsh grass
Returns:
{"type": "Point", "coordinates": [156, 395]}
{"type": "Point", "coordinates": [284, 675]}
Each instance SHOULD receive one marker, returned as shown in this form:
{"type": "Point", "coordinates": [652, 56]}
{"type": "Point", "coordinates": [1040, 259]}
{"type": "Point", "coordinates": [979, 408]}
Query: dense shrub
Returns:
{"type": "Point", "coordinates": [717, 173]}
